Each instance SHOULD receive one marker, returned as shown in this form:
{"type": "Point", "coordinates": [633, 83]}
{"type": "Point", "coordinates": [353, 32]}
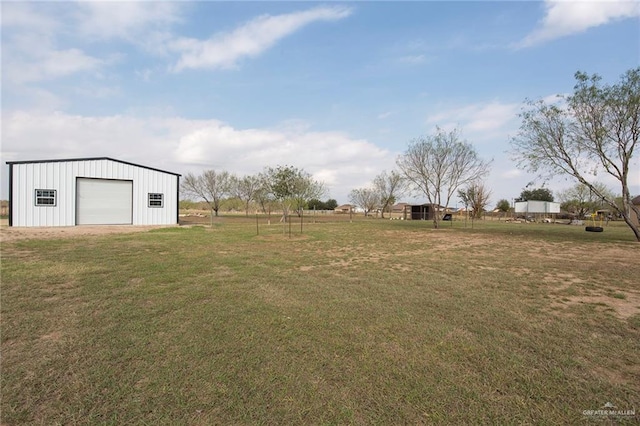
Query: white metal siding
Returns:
{"type": "Point", "coordinates": [104, 202]}
{"type": "Point", "coordinates": [61, 176]}
{"type": "Point", "coordinates": [537, 207]}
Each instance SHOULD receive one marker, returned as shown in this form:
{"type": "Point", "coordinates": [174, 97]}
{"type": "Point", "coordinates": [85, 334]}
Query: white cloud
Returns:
{"type": "Point", "coordinates": [480, 118]}
{"type": "Point", "coordinates": [126, 20]}
{"type": "Point", "coordinates": [30, 51]}
{"type": "Point", "coordinates": [512, 173]}
{"type": "Point", "coordinates": [223, 50]}
{"type": "Point", "coordinates": [58, 63]}
{"type": "Point", "coordinates": [184, 145]}
{"type": "Point", "coordinates": [25, 15]}
{"type": "Point", "coordinates": [413, 59]}
{"type": "Point", "coordinates": [32, 61]}
{"type": "Point", "coordinates": [563, 18]}
{"type": "Point", "coordinates": [33, 34]}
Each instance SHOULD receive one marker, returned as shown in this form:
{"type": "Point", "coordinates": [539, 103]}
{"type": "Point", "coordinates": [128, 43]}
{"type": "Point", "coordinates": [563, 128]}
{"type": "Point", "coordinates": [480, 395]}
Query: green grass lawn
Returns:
{"type": "Point", "coordinates": [370, 322]}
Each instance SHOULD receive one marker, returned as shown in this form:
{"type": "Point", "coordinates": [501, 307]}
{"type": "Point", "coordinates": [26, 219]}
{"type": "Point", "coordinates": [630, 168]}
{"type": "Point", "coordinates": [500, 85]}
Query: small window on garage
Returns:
{"type": "Point", "coordinates": [46, 197]}
{"type": "Point", "coordinates": [156, 200]}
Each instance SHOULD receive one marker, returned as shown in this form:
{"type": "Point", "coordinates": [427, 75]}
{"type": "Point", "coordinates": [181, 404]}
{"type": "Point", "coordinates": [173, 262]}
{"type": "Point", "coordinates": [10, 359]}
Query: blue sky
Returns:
{"type": "Point", "coordinates": [338, 89]}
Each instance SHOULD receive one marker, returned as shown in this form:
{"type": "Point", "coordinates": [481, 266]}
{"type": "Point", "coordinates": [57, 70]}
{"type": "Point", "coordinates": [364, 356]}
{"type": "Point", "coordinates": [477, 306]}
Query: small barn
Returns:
{"type": "Point", "coordinates": [91, 191]}
{"type": "Point", "coordinates": [422, 211]}
{"type": "Point", "coordinates": [540, 207]}
{"type": "Point", "coordinates": [536, 208]}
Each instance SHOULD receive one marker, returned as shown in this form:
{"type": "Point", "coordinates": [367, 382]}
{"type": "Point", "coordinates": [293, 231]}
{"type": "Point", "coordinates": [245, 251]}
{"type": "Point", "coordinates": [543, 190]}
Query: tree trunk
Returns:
{"type": "Point", "coordinates": [634, 228]}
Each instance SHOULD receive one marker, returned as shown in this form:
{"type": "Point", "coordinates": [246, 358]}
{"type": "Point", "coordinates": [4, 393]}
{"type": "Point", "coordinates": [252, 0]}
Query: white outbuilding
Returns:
{"type": "Point", "coordinates": [91, 191]}
{"type": "Point", "coordinates": [532, 206]}
{"type": "Point", "coordinates": [537, 208]}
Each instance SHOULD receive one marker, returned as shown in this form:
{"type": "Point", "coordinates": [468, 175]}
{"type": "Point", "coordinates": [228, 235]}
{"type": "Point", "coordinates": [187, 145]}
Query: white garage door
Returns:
{"type": "Point", "coordinates": [104, 202]}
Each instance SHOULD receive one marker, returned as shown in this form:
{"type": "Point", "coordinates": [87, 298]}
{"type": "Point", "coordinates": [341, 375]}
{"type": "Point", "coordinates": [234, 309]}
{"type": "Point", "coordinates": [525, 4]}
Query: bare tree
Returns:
{"type": "Point", "coordinates": [262, 196]}
{"type": "Point", "coordinates": [367, 199]}
{"type": "Point", "coordinates": [597, 130]}
{"type": "Point", "coordinates": [245, 189]}
{"type": "Point", "coordinates": [389, 186]}
{"type": "Point", "coordinates": [439, 164]}
{"type": "Point", "coordinates": [211, 186]}
{"type": "Point", "coordinates": [475, 195]}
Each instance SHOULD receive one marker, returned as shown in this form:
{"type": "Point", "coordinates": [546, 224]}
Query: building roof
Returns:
{"type": "Point", "coordinates": [636, 200]}
{"type": "Point", "coordinates": [66, 160]}
{"type": "Point", "coordinates": [344, 207]}
{"type": "Point", "coordinates": [399, 206]}
{"type": "Point", "coordinates": [428, 204]}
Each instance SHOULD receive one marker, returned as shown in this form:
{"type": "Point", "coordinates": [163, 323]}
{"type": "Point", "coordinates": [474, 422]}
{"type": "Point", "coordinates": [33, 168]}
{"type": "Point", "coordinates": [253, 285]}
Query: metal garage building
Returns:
{"type": "Point", "coordinates": [91, 191]}
{"type": "Point", "coordinates": [532, 206]}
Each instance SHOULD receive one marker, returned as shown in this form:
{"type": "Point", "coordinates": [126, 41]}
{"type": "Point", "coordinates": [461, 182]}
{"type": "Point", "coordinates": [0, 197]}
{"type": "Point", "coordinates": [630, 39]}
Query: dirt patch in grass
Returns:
{"type": "Point", "coordinates": [8, 234]}
{"type": "Point", "coordinates": [281, 237]}
{"type": "Point", "coordinates": [621, 308]}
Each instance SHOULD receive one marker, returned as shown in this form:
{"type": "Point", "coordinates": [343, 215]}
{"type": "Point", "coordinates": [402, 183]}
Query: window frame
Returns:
{"type": "Point", "coordinates": [51, 194]}
{"type": "Point", "coordinates": [151, 200]}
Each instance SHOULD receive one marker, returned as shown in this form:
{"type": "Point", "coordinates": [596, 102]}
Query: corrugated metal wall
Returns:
{"type": "Point", "coordinates": [61, 176]}
{"type": "Point", "coordinates": [533, 206]}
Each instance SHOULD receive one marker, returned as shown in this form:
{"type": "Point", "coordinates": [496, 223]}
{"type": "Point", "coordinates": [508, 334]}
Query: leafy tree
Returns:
{"type": "Point", "coordinates": [596, 130]}
{"type": "Point", "coordinates": [291, 187]}
{"type": "Point", "coordinates": [538, 194]}
{"type": "Point", "coordinates": [315, 204]}
{"type": "Point", "coordinates": [330, 204]}
{"type": "Point", "coordinates": [367, 199]}
{"type": "Point", "coordinates": [580, 200]}
{"type": "Point", "coordinates": [439, 164]}
{"type": "Point", "coordinates": [389, 187]}
{"type": "Point", "coordinates": [475, 195]}
{"type": "Point", "coordinates": [503, 205]}
{"type": "Point", "coordinates": [232, 204]}
{"type": "Point", "coordinates": [211, 186]}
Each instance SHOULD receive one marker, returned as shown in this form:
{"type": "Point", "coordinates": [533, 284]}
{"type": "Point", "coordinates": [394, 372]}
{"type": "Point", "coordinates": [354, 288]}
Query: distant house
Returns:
{"type": "Point", "coordinates": [345, 208]}
{"type": "Point", "coordinates": [400, 207]}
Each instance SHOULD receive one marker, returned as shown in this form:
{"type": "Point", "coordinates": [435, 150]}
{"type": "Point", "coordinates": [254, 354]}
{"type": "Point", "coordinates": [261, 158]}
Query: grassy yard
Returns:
{"type": "Point", "coordinates": [370, 322]}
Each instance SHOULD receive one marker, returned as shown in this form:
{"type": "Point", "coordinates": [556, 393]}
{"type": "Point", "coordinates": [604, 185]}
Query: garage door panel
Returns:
{"type": "Point", "coordinates": [104, 202]}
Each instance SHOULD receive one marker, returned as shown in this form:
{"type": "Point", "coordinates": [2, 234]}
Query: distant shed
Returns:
{"type": "Point", "coordinates": [91, 191]}
{"type": "Point", "coordinates": [422, 211]}
{"type": "Point", "coordinates": [537, 207]}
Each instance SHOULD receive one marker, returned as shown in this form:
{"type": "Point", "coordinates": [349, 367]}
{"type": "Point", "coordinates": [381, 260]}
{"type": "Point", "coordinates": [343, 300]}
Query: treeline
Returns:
{"type": "Point", "coordinates": [233, 204]}
{"type": "Point", "coordinates": [284, 188]}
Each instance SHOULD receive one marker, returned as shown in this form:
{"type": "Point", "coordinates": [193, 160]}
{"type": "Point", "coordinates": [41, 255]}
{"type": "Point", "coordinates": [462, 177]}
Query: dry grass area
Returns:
{"type": "Point", "coordinates": [383, 322]}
